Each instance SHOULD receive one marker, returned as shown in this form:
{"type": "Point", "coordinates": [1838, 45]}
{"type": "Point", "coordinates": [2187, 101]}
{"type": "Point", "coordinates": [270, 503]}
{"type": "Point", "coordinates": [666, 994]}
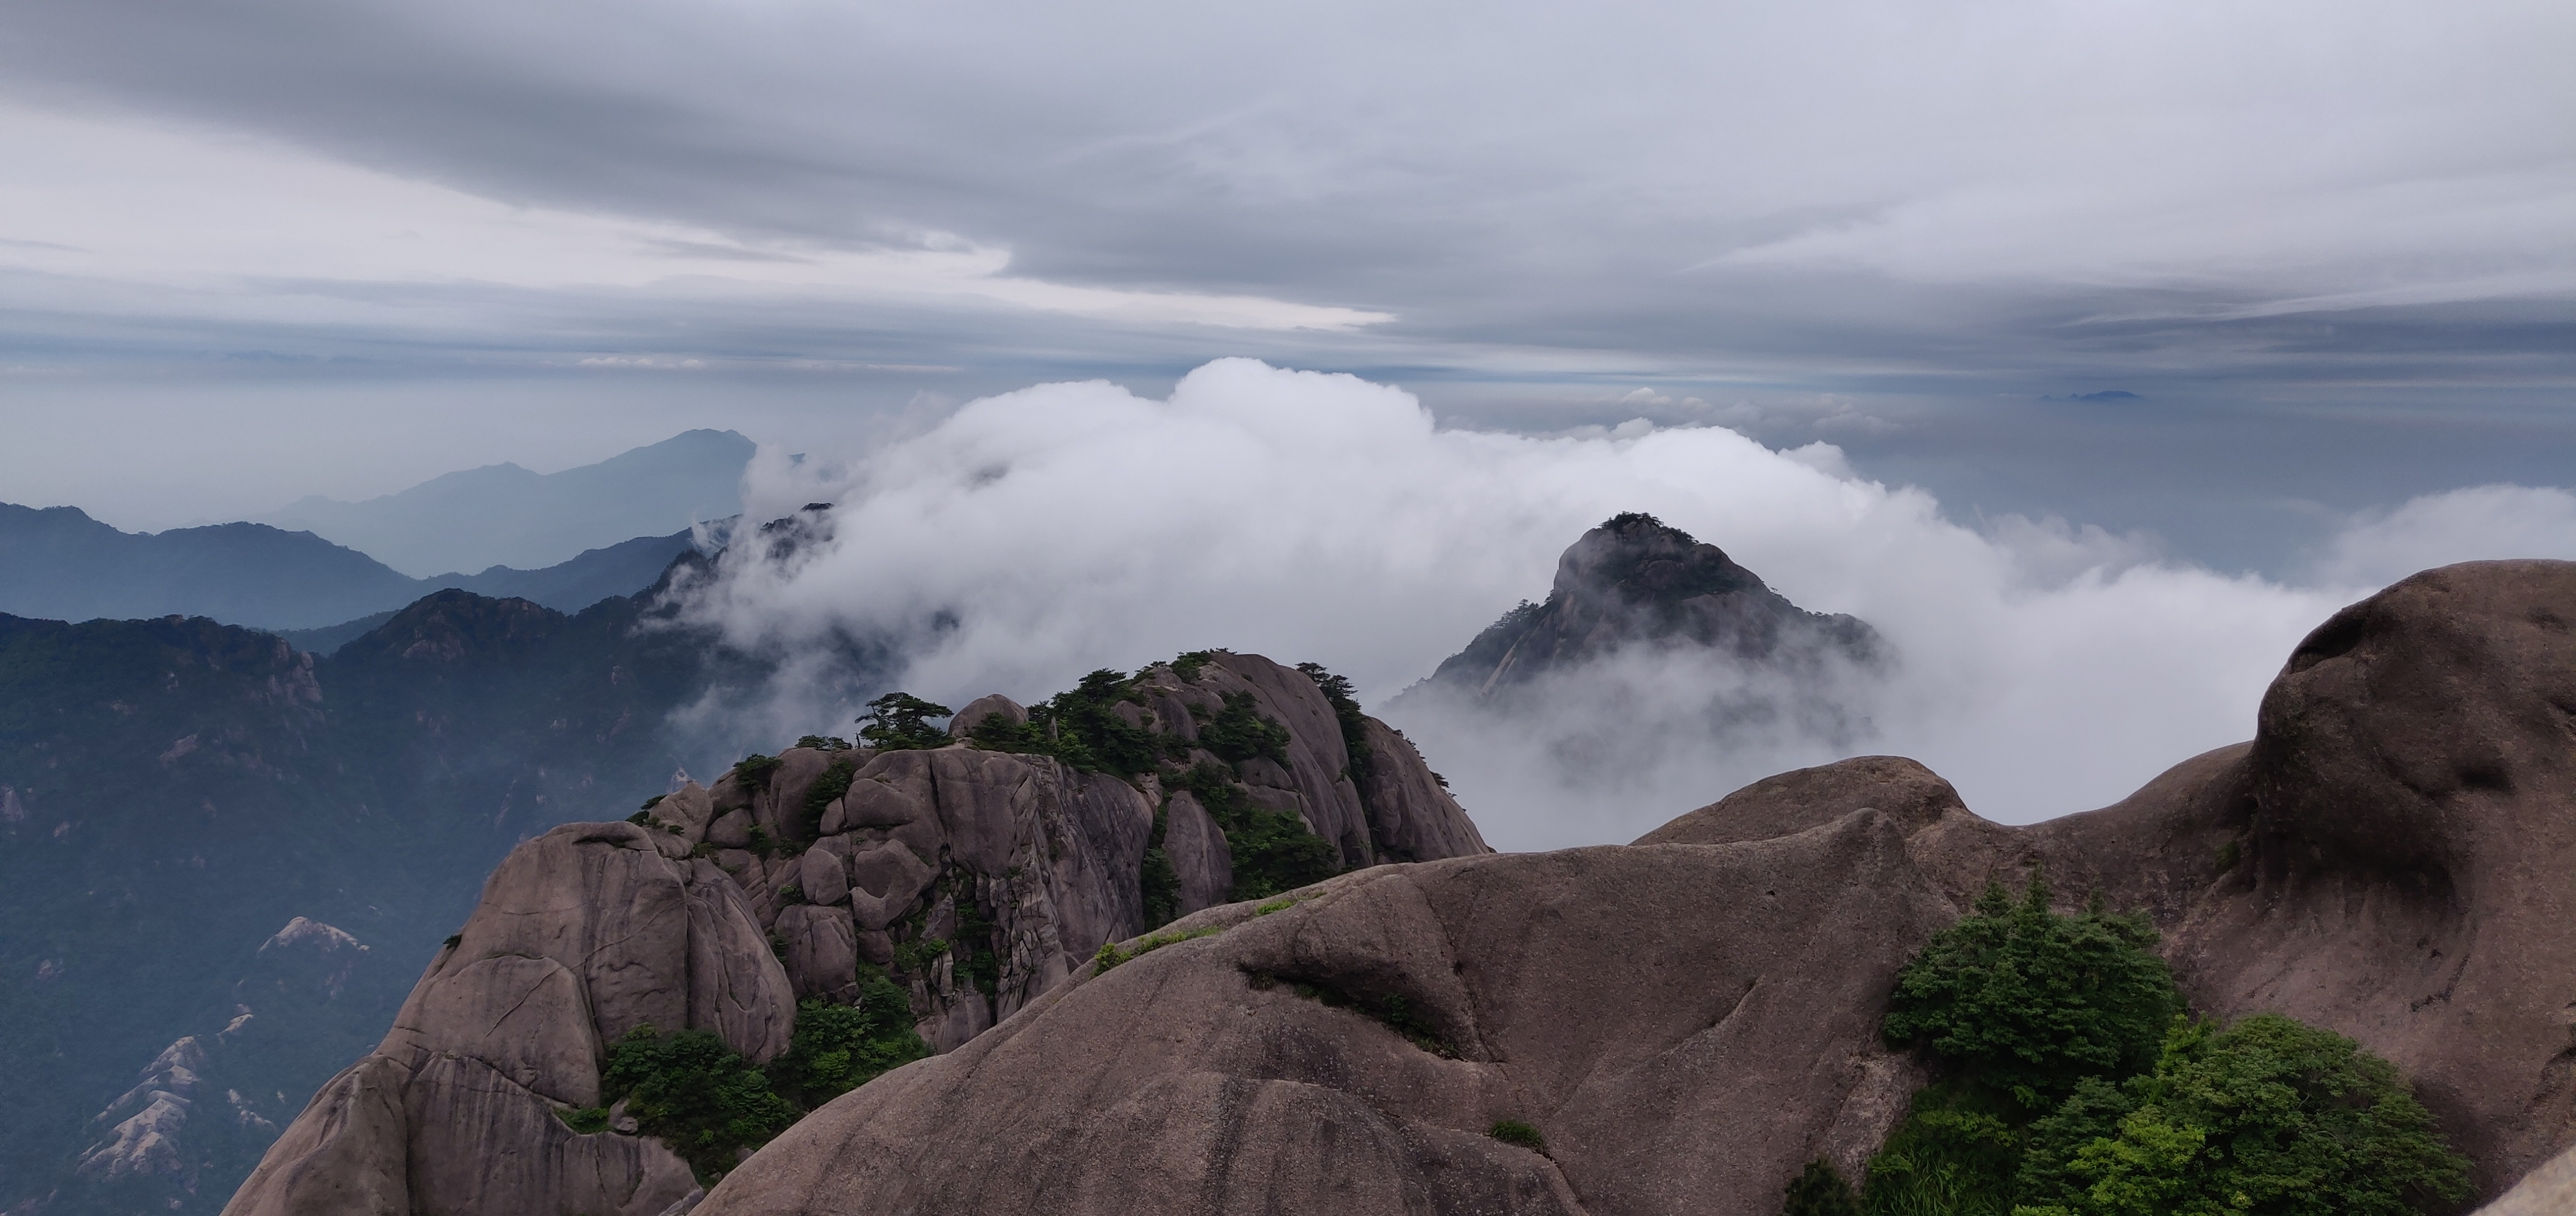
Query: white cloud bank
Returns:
{"type": "Point", "coordinates": [1039, 534]}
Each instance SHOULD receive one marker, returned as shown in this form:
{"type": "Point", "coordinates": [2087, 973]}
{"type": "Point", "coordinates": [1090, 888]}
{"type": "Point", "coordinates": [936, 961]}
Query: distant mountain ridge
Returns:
{"type": "Point", "coordinates": [57, 563]}
{"type": "Point", "coordinates": [505, 515]}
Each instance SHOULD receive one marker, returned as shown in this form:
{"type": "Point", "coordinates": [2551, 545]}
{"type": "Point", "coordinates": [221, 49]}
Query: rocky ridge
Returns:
{"type": "Point", "coordinates": [981, 879]}
{"type": "Point", "coordinates": [1685, 1021]}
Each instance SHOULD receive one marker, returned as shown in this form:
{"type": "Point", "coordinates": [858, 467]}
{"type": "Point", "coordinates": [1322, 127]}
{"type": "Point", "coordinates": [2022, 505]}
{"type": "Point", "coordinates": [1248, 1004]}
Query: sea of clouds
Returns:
{"type": "Point", "coordinates": [1030, 537]}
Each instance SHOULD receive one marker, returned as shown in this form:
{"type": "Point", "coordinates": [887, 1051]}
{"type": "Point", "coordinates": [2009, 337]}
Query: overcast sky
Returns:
{"type": "Point", "coordinates": [250, 251]}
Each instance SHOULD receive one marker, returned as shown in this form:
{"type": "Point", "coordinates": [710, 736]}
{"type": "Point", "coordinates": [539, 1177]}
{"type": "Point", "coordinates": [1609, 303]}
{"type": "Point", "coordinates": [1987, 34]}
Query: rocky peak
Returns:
{"type": "Point", "coordinates": [1638, 580]}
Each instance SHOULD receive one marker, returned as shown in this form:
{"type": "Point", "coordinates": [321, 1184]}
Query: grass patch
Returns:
{"type": "Point", "coordinates": [586, 1120]}
{"type": "Point", "coordinates": [1514, 1132]}
{"type": "Point", "coordinates": [1111, 954]}
{"type": "Point", "coordinates": [1389, 1009]}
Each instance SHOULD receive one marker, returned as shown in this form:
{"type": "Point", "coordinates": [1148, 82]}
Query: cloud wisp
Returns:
{"type": "Point", "coordinates": [1038, 534]}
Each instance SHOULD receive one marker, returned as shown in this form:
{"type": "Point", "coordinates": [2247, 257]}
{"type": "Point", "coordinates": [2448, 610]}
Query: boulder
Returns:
{"type": "Point", "coordinates": [1685, 1025]}
{"type": "Point", "coordinates": [983, 707]}
{"type": "Point", "coordinates": [822, 950]}
{"type": "Point", "coordinates": [1198, 853]}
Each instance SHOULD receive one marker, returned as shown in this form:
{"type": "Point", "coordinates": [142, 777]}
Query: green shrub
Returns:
{"type": "Point", "coordinates": [1820, 1191]}
{"type": "Point", "coordinates": [2228, 855]}
{"type": "Point", "coordinates": [791, 895]}
{"type": "Point", "coordinates": [1354, 724]}
{"type": "Point", "coordinates": [1271, 851]}
{"type": "Point", "coordinates": [695, 1094]}
{"type": "Point", "coordinates": [2267, 1117]}
{"type": "Point", "coordinates": [1110, 954]}
{"type": "Point", "coordinates": [832, 783]}
{"type": "Point", "coordinates": [1160, 882]}
{"type": "Point", "coordinates": [755, 770]}
{"type": "Point", "coordinates": [1187, 665]}
{"type": "Point", "coordinates": [1238, 732]}
{"type": "Point", "coordinates": [454, 940]}
{"type": "Point", "coordinates": [1955, 1154]}
{"type": "Point", "coordinates": [654, 801]}
{"type": "Point", "coordinates": [1081, 727]}
{"type": "Point", "coordinates": [1513, 1131]}
{"type": "Point", "coordinates": [899, 721]}
{"type": "Point", "coordinates": [824, 743]}
{"type": "Point", "coordinates": [1388, 1008]}
{"type": "Point", "coordinates": [2025, 1002]}
{"type": "Point", "coordinates": [916, 957]}
{"type": "Point", "coordinates": [837, 1048]}
{"type": "Point", "coordinates": [587, 1120]}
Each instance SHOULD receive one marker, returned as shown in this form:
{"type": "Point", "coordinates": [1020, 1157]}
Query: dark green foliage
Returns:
{"type": "Point", "coordinates": [1272, 851]}
{"type": "Point", "coordinates": [454, 940]}
{"type": "Point", "coordinates": [1354, 724]}
{"type": "Point", "coordinates": [824, 743]}
{"type": "Point", "coordinates": [694, 1093]}
{"type": "Point", "coordinates": [1187, 666]}
{"type": "Point", "coordinates": [977, 962]}
{"type": "Point", "coordinates": [641, 819]}
{"type": "Point", "coordinates": [1158, 880]}
{"type": "Point", "coordinates": [834, 782]}
{"type": "Point", "coordinates": [1388, 1008]}
{"type": "Point", "coordinates": [1082, 728]}
{"type": "Point", "coordinates": [654, 801]}
{"type": "Point", "coordinates": [1819, 1190]}
{"type": "Point", "coordinates": [790, 895]}
{"type": "Point", "coordinates": [2025, 1003]}
{"type": "Point", "coordinates": [915, 957]}
{"type": "Point", "coordinates": [761, 842]}
{"type": "Point", "coordinates": [2228, 855]}
{"type": "Point", "coordinates": [2268, 1117]}
{"type": "Point", "coordinates": [837, 1048]}
{"type": "Point", "coordinates": [755, 770]}
{"type": "Point", "coordinates": [1238, 732]}
{"type": "Point", "coordinates": [1955, 1154]}
{"type": "Point", "coordinates": [1513, 1131]}
{"type": "Point", "coordinates": [899, 721]}
{"type": "Point", "coordinates": [587, 1120]}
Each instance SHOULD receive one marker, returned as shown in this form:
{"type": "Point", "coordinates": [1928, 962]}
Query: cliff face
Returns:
{"type": "Point", "coordinates": [1687, 1020]}
{"type": "Point", "coordinates": [980, 879]}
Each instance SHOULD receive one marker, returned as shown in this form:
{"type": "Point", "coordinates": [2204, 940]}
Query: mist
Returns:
{"type": "Point", "coordinates": [2042, 666]}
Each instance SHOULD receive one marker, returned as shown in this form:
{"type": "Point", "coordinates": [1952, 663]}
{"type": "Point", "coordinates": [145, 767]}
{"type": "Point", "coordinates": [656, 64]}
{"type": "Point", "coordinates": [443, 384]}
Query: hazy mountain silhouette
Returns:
{"type": "Point", "coordinates": [505, 515]}
{"type": "Point", "coordinates": [57, 563]}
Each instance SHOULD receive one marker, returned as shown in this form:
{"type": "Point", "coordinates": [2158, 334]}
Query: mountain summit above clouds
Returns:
{"type": "Point", "coordinates": [1636, 580]}
{"type": "Point", "coordinates": [504, 515]}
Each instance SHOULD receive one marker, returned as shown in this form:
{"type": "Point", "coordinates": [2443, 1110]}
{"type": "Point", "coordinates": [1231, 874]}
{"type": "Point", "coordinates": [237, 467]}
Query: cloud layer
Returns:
{"type": "Point", "coordinates": [1035, 535]}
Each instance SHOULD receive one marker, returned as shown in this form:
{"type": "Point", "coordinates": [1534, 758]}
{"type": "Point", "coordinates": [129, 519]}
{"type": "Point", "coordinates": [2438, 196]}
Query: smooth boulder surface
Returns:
{"type": "Point", "coordinates": [1685, 1025]}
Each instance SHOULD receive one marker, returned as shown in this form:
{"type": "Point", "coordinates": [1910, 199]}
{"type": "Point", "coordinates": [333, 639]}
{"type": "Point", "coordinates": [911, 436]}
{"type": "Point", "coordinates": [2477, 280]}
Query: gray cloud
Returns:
{"type": "Point", "coordinates": [1853, 191]}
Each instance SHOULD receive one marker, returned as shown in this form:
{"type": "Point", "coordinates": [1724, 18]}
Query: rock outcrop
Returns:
{"type": "Point", "coordinates": [980, 878]}
{"type": "Point", "coordinates": [1687, 1020]}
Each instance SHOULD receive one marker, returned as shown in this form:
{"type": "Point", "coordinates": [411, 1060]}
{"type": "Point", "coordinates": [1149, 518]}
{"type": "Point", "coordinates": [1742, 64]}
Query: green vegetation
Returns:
{"type": "Point", "coordinates": [1082, 728]}
{"type": "Point", "coordinates": [1187, 665]}
{"type": "Point", "coordinates": [2023, 1002]}
{"type": "Point", "coordinates": [1273, 851]}
{"type": "Point", "coordinates": [1281, 904]}
{"type": "Point", "coordinates": [755, 770]}
{"type": "Point", "coordinates": [2074, 1085]}
{"type": "Point", "coordinates": [834, 782]}
{"type": "Point", "coordinates": [1513, 1131]}
{"type": "Point", "coordinates": [915, 957]}
{"type": "Point", "coordinates": [1354, 724]}
{"type": "Point", "coordinates": [454, 940]}
{"type": "Point", "coordinates": [1820, 1191]}
{"type": "Point", "coordinates": [1159, 880]}
{"type": "Point", "coordinates": [899, 721]}
{"type": "Point", "coordinates": [2266, 1116]}
{"type": "Point", "coordinates": [1388, 1008]}
{"type": "Point", "coordinates": [587, 1120]}
{"type": "Point", "coordinates": [2228, 855]}
{"type": "Point", "coordinates": [837, 1048]}
{"type": "Point", "coordinates": [654, 801]}
{"type": "Point", "coordinates": [824, 743]}
{"type": "Point", "coordinates": [977, 962]}
{"type": "Point", "coordinates": [1238, 732]}
{"type": "Point", "coordinates": [1111, 954]}
{"type": "Point", "coordinates": [707, 1102]}
{"type": "Point", "coordinates": [791, 895]}
{"type": "Point", "coordinates": [695, 1094]}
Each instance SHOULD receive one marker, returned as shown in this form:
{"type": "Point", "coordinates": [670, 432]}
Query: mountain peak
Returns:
{"type": "Point", "coordinates": [1638, 580]}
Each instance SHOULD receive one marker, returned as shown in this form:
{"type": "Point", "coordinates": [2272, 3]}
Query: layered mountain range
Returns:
{"type": "Point", "coordinates": [1675, 1025]}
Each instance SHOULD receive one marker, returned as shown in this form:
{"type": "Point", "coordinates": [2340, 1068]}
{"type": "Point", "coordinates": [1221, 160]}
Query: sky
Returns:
{"type": "Point", "coordinates": [2137, 309]}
